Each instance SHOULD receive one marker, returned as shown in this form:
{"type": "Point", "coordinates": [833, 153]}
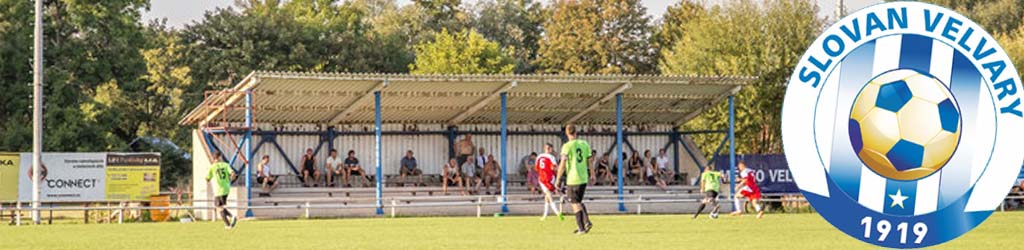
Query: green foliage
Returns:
{"type": "Point", "coordinates": [516, 25]}
{"type": "Point", "coordinates": [465, 52]}
{"type": "Point", "coordinates": [1004, 19]}
{"type": "Point", "coordinates": [597, 36]}
{"type": "Point", "coordinates": [746, 38]}
{"type": "Point", "coordinates": [672, 24]}
{"type": "Point", "coordinates": [996, 16]}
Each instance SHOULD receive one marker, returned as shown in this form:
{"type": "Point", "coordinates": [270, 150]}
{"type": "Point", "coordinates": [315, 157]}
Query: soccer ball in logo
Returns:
{"type": "Point", "coordinates": [904, 125]}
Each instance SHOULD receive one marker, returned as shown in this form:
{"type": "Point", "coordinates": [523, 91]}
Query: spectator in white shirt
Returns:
{"type": "Point", "coordinates": [664, 168]}
{"type": "Point", "coordinates": [333, 167]}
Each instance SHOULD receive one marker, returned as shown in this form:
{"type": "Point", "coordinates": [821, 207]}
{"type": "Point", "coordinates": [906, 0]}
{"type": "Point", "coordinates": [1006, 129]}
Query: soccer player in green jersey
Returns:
{"type": "Point", "coordinates": [575, 156]}
{"type": "Point", "coordinates": [222, 174]}
{"type": "Point", "coordinates": [710, 183]}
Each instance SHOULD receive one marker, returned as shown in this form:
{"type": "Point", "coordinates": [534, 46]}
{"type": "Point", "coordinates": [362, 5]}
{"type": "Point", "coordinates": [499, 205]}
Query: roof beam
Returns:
{"type": "Point", "coordinates": [593, 106]}
{"type": "Point", "coordinates": [482, 103]}
{"type": "Point", "coordinates": [248, 83]}
{"type": "Point", "coordinates": [351, 107]}
{"type": "Point", "coordinates": [693, 114]}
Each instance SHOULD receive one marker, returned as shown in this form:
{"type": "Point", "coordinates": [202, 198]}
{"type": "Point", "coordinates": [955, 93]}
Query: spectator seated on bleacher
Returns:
{"type": "Point", "coordinates": [310, 174]}
{"type": "Point", "coordinates": [409, 167]}
{"type": "Point", "coordinates": [1015, 199]}
{"type": "Point", "coordinates": [264, 177]}
{"type": "Point", "coordinates": [664, 167]}
{"type": "Point", "coordinates": [527, 170]}
{"type": "Point", "coordinates": [636, 167]}
{"type": "Point", "coordinates": [352, 168]}
{"type": "Point", "coordinates": [450, 173]}
{"type": "Point", "coordinates": [333, 167]}
{"type": "Point", "coordinates": [651, 172]}
{"type": "Point", "coordinates": [471, 177]}
{"type": "Point", "coordinates": [604, 175]}
{"type": "Point", "coordinates": [491, 174]}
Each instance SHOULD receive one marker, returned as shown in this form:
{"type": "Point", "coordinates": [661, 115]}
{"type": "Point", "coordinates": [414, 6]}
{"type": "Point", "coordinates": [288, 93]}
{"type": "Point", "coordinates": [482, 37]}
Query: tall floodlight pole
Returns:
{"type": "Point", "coordinates": [37, 109]}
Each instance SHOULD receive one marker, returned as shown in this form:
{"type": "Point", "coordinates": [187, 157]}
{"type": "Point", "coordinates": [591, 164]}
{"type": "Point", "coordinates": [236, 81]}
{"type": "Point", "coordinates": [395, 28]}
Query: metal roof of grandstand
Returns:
{"type": "Point", "coordinates": [347, 98]}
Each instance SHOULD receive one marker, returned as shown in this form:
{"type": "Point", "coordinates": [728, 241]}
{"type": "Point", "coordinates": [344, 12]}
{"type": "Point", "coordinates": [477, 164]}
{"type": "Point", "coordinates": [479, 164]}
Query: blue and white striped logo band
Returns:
{"type": "Point", "coordinates": [902, 125]}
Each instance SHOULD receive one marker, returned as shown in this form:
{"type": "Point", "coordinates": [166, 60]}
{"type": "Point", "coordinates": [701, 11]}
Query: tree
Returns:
{"type": "Point", "coordinates": [763, 39]}
{"type": "Point", "coordinates": [597, 36]}
{"type": "Point", "coordinates": [465, 52]}
{"type": "Point", "coordinates": [676, 16]}
{"type": "Point", "coordinates": [516, 25]}
{"type": "Point", "coordinates": [93, 71]}
{"type": "Point", "coordinates": [996, 16]}
{"type": "Point", "coordinates": [169, 80]}
{"type": "Point", "coordinates": [443, 14]}
{"type": "Point", "coordinates": [1004, 19]}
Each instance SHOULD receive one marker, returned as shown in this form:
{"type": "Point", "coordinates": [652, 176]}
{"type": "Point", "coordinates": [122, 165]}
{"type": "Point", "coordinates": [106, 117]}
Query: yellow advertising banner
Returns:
{"type": "Point", "coordinates": [132, 176]}
{"type": "Point", "coordinates": [9, 169]}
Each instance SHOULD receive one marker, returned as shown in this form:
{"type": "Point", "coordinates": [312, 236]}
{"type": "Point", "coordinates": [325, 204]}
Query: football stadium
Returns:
{"type": "Point", "coordinates": [511, 124]}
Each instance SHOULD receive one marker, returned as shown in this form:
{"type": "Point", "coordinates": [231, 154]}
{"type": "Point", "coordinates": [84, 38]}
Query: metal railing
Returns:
{"type": "Point", "coordinates": [394, 204]}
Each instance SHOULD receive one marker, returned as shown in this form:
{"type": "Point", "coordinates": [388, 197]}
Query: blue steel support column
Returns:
{"type": "Point", "coordinates": [732, 146]}
{"type": "Point", "coordinates": [330, 139]}
{"type": "Point", "coordinates": [618, 143]}
{"type": "Point", "coordinates": [451, 142]}
{"type": "Point", "coordinates": [380, 176]}
{"type": "Point", "coordinates": [674, 138]}
{"type": "Point", "coordinates": [248, 153]}
{"type": "Point", "coordinates": [504, 150]}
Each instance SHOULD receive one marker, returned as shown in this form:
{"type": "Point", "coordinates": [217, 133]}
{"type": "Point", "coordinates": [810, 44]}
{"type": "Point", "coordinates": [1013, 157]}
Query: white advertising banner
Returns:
{"type": "Point", "coordinates": [68, 177]}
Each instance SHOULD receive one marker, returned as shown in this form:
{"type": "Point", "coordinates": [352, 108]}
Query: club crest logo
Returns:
{"type": "Point", "coordinates": [902, 125]}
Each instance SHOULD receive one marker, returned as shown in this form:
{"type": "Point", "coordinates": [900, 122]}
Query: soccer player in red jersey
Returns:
{"type": "Point", "coordinates": [747, 189]}
{"type": "Point", "coordinates": [546, 163]}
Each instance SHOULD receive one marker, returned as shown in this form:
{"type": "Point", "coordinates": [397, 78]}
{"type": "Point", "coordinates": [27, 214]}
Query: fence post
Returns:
{"type": "Point", "coordinates": [394, 206]}
{"type": "Point", "coordinates": [479, 206]}
{"type": "Point", "coordinates": [639, 204]}
{"type": "Point", "coordinates": [86, 211]}
{"type": "Point", "coordinates": [120, 213]}
{"type": "Point", "coordinates": [17, 217]}
{"type": "Point", "coordinates": [307, 210]}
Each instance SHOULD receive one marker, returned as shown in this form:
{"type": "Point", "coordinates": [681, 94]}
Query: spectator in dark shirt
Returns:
{"type": "Point", "coordinates": [352, 168]}
{"type": "Point", "coordinates": [604, 172]}
{"type": "Point", "coordinates": [409, 167]}
{"type": "Point", "coordinates": [310, 174]}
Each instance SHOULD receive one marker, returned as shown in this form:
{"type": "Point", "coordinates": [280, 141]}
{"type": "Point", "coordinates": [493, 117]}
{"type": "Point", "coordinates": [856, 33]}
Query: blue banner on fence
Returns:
{"type": "Point", "coordinates": [770, 171]}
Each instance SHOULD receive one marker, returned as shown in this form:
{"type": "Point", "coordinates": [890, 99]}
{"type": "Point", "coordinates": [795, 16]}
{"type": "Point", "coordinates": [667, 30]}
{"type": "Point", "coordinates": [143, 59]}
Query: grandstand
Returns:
{"type": "Point", "coordinates": [380, 116]}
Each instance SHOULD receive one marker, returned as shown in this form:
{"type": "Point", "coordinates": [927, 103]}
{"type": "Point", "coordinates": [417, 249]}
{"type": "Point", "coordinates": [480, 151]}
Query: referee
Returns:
{"type": "Point", "coordinates": [576, 154]}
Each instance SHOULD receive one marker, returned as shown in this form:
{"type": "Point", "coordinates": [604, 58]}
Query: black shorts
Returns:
{"type": "Point", "coordinates": [710, 194]}
{"type": "Point", "coordinates": [263, 179]}
{"type": "Point", "coordinates": [220, 201]}
{"type": "Point", "coordinates": [309, 170]}
{"type": "Point", "coordinates": [575, 193]}
{"type": "Point", "coordinates": [461, 159]}
{"type": "Point", "coordinates": [357, 173]}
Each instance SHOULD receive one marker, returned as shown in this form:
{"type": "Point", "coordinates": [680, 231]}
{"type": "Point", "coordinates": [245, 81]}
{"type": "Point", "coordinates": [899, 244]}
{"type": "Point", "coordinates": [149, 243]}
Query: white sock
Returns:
{"type": "Point", "coordinates": [736, 202]}
{"type": "Point", "coordinates": [545, 209]}
{"type": "Point", "coordinates": [554, 207]}
{"type": "Point", "coordinates": [757, 207]}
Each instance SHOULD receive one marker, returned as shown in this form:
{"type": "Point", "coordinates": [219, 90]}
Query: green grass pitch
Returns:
{"type": "Point", "coordinates": [776, 231]}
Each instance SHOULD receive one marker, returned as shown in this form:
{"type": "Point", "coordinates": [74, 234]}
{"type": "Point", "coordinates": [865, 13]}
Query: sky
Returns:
{"type": "Point", "coordinates": [181, 12]}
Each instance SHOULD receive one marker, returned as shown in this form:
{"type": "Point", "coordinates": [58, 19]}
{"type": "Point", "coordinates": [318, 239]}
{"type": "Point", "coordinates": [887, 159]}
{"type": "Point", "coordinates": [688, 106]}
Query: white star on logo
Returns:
{"type": "Point", "coordinates": [897, 199]}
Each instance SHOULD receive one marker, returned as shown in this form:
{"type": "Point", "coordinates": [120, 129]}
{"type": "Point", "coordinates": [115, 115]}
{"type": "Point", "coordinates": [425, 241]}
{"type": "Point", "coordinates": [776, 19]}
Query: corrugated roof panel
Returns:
{"type": "Point", "coordinates": [317, 98]}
